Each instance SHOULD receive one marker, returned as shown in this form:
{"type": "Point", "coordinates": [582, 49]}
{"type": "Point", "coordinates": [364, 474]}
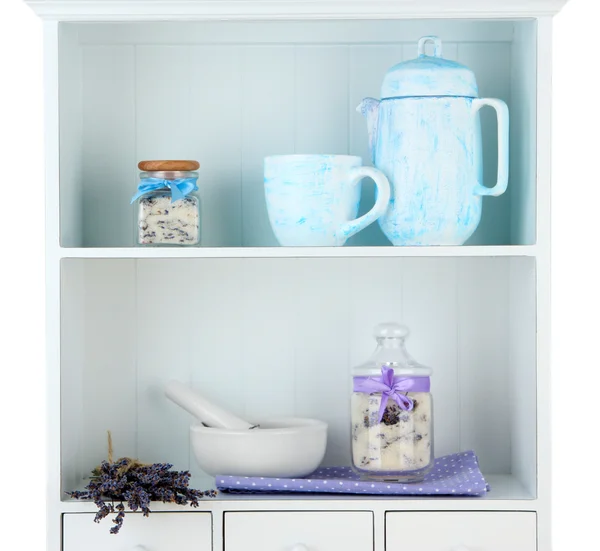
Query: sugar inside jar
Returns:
{"type": "Point", "coordinates": [392, 412]}
{"type": "Point", "coordinates": [168, 206]}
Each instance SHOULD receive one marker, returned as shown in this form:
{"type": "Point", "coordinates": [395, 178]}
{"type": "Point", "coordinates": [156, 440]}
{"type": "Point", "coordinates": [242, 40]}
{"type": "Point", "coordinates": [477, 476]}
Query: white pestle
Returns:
{"type": "Point", "coordinates": [204, 410]}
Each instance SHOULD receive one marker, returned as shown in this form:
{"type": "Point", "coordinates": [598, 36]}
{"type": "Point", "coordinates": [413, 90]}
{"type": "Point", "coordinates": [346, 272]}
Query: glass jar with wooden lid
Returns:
{"type": "Point", "coordinates": [169, 210]}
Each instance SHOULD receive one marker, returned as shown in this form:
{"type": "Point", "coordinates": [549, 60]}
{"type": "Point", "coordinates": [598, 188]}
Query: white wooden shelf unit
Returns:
{"type": "Point", "coordinates": [228, 83]}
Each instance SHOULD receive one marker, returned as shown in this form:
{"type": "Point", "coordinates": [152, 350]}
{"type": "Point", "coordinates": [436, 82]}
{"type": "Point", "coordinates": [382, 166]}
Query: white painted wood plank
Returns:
{"type": "Point", "coordinates": [523, 372]}
{"type": "Point", "coordinates": [507, 495]}
{"type": "Point", "coordinates": [293, 32]}
{"type": "Point", "coordinates": [215, 334]}
{"type": "Point", "coordinates": [487, 531]}
{"type": "Point", "coordinates": [128, 10]}
{"type": "Point", "coordinates": [268, 310]}
{"type": "Point", "coordinates": [71, 112]}
{"type": "Point", "coordinates": [72, 358]}
{"type": "Point", "coordinates": [108, 145]}
{"type": "Point", "coordinates": [431, 312]}
{"type": "Point", "coordinates": [300, 252]}
{"type": "Point", "coordinates": [215, 115]}
{"type": "Point", "coordinates": [276, 531]}
{"type": "Point", "coordinates": [109, 369]}
{"type": "Point", "coordinates": [322, 363]}
{"type": "Point", "coordinates": [51, 425]}
{"type": "Point", "coordinates": [523, 137]}
{"type": "Point", "coordinates": [160, 532]}
{"type": "Point", "coordinates": [164, 351]}
{"type": "Point", "coordinates": [163, 103]}
{"type": "Point", "coordinates": [321, 106]}
{"type": "Point", "coordinates": [491, 65]}
{"type": "Point", "coordinates": [376, 296]}
{"type": "Point", "coordinates": [544, 335]}
{"type": "Point", "coordinates": [483, 361]}
{"type": "Point", "coordinates": [267, 129]}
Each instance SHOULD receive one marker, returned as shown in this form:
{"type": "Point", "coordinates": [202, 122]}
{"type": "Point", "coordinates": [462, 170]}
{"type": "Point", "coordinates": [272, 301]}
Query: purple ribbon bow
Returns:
{"type": "Point", "coordinates": [391, 387]}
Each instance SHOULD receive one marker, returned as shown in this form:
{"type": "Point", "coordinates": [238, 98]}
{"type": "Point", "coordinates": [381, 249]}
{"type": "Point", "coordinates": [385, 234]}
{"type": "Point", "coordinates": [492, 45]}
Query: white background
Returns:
{"type": "Point", "coordinates": [576, 279]}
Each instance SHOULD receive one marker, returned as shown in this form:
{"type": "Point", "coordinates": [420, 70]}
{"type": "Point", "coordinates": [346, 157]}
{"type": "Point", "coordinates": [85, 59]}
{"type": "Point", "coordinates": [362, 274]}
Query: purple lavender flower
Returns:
{"type": "Point", "coordinates": [136, 484]}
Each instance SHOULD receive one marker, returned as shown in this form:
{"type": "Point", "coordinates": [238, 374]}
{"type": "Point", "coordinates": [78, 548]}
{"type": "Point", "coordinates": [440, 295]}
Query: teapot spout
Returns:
{"type": "Point", "coordinates": [369, 108]}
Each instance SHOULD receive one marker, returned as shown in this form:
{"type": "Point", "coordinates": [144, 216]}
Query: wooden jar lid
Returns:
{"type": "Point", "coordinates": [168, 166]}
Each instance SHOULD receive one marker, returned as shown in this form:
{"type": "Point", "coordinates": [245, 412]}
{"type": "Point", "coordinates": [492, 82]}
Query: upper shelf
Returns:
{"type": "Point", "coordinates": [127, 10]}
{"type": "Point", "coordinates": [232, 93]}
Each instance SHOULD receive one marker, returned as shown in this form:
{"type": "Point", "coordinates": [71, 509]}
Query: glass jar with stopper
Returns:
{"type": "Point", "coordinates": [392, 412]}
{"type": "Point", "coordinates": [168, 207]}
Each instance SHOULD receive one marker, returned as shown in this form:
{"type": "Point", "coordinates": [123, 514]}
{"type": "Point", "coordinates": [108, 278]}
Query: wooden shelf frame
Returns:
{"type": "Point", "coordinates": [507, 493]}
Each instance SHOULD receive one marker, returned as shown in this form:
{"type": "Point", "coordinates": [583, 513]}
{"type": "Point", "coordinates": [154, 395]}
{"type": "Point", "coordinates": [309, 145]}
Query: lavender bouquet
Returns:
{"type": "Point", "coordinates": [128, 481]}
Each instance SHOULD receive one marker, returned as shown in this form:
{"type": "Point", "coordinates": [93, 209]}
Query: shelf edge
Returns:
{"type": "Point", "coordinates": [300, 252]}
{"type": "Point", "coordinates": [169, 10]}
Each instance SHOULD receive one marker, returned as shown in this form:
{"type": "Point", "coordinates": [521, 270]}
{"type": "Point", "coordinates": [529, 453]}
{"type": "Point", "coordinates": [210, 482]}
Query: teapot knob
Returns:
{"type": "Point", "coordinates": [437, 45]}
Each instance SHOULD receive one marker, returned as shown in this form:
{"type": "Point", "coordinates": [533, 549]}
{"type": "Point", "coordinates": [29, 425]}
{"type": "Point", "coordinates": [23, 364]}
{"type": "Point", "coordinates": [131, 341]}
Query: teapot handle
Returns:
{"type": "Point", "coordinates": [502, 114]}
{"type": "Point", "coordinates": [348, 229]}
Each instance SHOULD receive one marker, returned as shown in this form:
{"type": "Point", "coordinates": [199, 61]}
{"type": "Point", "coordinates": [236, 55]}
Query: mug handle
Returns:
{"type": "Point", "coordinates": [348, 229]}
{"type": "Point", "coordinates": [502, 114]}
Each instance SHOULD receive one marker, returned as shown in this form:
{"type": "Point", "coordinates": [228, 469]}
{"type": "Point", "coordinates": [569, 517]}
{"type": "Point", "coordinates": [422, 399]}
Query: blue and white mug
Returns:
{"type": "Point", "coordinates": [313, 200]}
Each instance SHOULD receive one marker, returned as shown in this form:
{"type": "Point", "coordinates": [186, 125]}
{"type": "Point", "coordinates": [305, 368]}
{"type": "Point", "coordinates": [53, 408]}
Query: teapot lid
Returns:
{"type": "Point", "coordinates": [429, 76]}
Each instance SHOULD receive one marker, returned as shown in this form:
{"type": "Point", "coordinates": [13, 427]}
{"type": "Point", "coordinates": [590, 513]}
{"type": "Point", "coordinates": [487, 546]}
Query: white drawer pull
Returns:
{"type": "Point", "coordinates": [460, 548]}
{"type": "Point", "coordinates": [139, 548]}
{"type": "Point", "coordinates": [299, 547]}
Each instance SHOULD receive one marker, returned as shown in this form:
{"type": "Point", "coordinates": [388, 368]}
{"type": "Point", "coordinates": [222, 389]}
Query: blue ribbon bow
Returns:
{"type": "Point", "coordinates": [179, 188]}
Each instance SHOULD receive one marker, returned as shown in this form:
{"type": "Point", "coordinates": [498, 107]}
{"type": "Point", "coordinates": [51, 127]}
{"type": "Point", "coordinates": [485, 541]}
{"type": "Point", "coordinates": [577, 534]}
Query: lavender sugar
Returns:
{"type": "Point", "coordinates": [161, 222]}
{"type": "Point", "coordinates": [402, 441]}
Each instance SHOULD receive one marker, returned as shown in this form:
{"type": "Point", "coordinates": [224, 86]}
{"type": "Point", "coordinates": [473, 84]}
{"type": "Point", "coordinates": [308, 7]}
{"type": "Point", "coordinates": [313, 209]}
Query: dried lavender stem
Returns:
{"type": "Point", "coordinates": [110, 447]}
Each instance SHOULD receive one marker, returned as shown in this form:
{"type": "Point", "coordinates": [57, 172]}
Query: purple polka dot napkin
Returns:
{"type": "Point", "coordinates": [455, 475]}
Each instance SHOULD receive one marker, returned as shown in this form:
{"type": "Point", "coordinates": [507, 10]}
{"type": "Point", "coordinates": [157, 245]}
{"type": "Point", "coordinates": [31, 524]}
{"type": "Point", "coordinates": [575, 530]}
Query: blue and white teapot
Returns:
{"type": "Point", "coordinates": [425, 136]}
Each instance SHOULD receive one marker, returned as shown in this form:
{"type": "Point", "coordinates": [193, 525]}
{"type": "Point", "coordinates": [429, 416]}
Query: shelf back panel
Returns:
{"type": "Point", "coordinates": [277, 337]}
{"type": "Point", "coordinates": [229, 94]}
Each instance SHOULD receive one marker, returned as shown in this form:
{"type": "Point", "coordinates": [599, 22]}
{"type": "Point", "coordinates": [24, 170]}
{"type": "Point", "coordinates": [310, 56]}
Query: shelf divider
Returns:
{"type": "Point", "coordinates": [298, 252]}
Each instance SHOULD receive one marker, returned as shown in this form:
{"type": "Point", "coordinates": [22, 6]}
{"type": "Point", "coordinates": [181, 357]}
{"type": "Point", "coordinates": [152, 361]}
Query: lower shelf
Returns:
{"type": "Point", "coordinates": [504, 488]}
{"type": "Point", "coordinates": [272, 338]}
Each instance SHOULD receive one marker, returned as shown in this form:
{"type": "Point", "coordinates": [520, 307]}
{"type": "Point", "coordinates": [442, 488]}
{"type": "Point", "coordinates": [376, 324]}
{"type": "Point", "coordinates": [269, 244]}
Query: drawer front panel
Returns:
{"type": "Point", "coordinates": [158, 532]}
{"type": "Point", "coordinates": [299, 531]}
{"type": "Point", "coordinates": [454, 531]}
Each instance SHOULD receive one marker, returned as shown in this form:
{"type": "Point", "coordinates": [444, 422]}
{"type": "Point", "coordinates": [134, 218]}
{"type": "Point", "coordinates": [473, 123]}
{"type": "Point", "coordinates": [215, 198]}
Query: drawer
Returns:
{"type": "Point", "coordinates": [453, 531]}
{"type": "Point", "coordinates": [299, 531]}
{"type": "Point", "coordinates": [158, 532]}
